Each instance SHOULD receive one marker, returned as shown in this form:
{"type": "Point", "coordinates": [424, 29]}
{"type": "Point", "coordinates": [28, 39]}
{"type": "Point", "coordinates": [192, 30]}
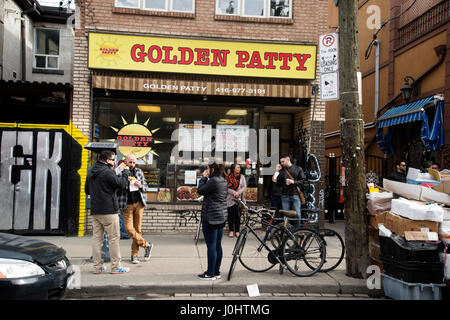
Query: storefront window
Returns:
{"type": "Point", "coordinates": [174, 144]}
{"type": "Point", "coordinates": [224, 136]}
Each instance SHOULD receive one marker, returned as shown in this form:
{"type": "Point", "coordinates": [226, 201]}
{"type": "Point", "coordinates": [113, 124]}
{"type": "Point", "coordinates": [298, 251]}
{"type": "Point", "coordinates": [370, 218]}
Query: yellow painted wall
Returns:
{"type": "Point", "coordinates": [76, 134]}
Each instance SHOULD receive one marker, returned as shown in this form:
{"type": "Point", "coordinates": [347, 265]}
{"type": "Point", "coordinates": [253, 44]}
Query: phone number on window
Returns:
{"type": "Point", "coordinates": [241, 90]}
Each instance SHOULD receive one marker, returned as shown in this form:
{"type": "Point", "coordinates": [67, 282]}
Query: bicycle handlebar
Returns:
{"type": "Point", "coordinates": [250, 210]}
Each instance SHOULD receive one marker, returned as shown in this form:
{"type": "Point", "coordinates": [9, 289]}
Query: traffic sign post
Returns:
{"type": "Point", "coordinates": [329, 86]}
{"type": "Point", "coordinates": [329, 66]}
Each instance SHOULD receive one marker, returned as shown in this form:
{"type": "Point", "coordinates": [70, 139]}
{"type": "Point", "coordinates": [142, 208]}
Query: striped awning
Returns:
{"type": "Point", "coordinates": [203, 87]}
{"type": "Point", "coordinates": [406, 113]}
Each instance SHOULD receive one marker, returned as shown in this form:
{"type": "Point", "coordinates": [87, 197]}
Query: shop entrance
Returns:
{"type": "Point", "coordinates": [284, 122]}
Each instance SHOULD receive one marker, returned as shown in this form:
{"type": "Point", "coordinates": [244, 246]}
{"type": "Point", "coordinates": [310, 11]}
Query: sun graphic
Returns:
{"type": "Point", "coordinates": [136, 138]}
{"type": "Point", "coordinates": [106, 50]}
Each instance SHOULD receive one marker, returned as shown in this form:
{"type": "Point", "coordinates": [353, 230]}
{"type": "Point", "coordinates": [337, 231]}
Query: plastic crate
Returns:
{"type": "Point", "coordinates": [396, 247]}
{"type": "Point", "coordinates": [401, 290]}
{"type": "Point", "coordinates": [414, 271]}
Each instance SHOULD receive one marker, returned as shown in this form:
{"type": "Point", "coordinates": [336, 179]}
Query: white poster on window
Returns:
{"type": "Point", "coordinates": [231, 138]}
{"type": "Point", "coordinates": [190, 177]}
{"type": "Point", "coordinates": [194, 137]}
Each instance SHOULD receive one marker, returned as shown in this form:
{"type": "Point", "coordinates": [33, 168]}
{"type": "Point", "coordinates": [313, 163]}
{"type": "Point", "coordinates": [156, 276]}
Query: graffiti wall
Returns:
{"type": "Point", "coordinates": [42, 173]}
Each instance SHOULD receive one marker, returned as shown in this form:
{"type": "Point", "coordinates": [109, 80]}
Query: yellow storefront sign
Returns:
{"type": "Point", "coordinates": [211, 57]}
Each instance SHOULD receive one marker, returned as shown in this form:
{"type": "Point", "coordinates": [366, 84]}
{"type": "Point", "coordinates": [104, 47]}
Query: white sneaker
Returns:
{"type": "Point", "coordinates": [120, 270]}
{"type": "Point", "coordinates": [134, 259]}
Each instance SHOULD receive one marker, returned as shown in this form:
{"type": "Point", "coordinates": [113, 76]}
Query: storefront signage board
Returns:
{"type": "Point", "coordinates": [209, 57]}
{"type": "Point", "coordinates": [184, 86]}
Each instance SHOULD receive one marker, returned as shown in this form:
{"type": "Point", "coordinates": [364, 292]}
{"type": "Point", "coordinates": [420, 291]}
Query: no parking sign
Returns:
{"type": "Point", "coordinates": [329, 66]}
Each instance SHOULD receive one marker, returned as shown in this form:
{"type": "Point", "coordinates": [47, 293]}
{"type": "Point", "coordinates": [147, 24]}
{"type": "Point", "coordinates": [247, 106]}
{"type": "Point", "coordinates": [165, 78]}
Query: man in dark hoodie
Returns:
{"type": "Point", "coordinates": [102, 184]}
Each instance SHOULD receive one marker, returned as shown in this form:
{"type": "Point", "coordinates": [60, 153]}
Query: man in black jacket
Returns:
{"type": "Point", "coordinates": [400, 172]}
{"type": "Point", "coordinates": [102, 184]}
{"type": "Point", "coordinates": [288, 179]}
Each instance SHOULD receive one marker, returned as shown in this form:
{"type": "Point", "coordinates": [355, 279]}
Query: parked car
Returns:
{"type": "Point", "coordinates": [32, 269]}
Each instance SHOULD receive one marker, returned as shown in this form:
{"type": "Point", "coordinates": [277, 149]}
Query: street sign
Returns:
{"type": "Point", "coordinates": [328, 52]}
{"type": "Point", "coordinates": [329, 86]}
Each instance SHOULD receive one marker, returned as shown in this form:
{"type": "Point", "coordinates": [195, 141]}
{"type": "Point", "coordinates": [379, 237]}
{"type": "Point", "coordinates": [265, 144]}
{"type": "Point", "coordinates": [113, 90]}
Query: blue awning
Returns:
{"type": "Point", "coordinates": [433, 138]}
{"type": "Point", "coordinates": [406, 113]}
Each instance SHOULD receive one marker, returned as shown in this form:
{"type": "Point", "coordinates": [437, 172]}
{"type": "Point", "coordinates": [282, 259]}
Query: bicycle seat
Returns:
{"type": "Point", "coordinates": [288, 213]}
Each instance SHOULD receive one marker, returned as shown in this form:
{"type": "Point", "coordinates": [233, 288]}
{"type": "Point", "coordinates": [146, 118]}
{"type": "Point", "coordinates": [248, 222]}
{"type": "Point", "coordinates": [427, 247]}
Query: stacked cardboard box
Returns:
{"type": "Point", "coordinates": [378, 203]}
{"type": "Point", "coordinates": [417, 212]}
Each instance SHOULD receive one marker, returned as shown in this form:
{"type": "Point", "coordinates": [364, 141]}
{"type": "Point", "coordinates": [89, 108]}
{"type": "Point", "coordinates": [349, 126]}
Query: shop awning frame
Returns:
{"type": "Point", "coordinates": [410, 112]}
{"type": "Point", "coordinates": [203, 87]}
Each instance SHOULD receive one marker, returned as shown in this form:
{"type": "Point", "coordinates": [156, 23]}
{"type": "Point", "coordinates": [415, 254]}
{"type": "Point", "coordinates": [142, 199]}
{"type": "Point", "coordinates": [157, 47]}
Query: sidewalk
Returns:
{"type": "Point", "coordinates": [176, 261]}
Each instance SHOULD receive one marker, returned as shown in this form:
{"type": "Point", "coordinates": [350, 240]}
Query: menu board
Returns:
{"type": "Point", "coordinates": [232, 138]}
{"type": "Point", "coordinates": [194, 137]}
{"type": "Point", "coordinates": [152, 177]}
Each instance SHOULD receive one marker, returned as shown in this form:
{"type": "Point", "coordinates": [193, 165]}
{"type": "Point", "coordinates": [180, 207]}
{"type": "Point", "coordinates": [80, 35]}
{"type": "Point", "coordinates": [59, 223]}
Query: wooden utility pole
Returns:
{"type": "Point", "coordinates": [352, 140]}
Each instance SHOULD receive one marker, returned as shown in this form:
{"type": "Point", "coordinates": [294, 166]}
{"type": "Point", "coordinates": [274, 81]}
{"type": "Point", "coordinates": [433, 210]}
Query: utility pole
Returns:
{"type": "Point", "coordinates": [352, 142]}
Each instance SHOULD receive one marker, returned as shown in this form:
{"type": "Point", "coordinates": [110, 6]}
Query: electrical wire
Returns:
{"type": "Point", "coordinates": [369, 48]}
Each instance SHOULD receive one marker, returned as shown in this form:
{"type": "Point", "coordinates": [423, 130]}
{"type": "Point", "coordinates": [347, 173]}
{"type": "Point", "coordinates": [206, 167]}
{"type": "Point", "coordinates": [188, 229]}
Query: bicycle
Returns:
{"type": "Point", "coordinates": [298, 246]}
{"type": "Point", "coordinates": [333, 240]}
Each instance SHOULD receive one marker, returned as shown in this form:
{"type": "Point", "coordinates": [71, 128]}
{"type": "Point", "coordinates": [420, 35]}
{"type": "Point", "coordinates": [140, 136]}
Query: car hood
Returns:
{"type": "Point", "coordinates": [30, 249]}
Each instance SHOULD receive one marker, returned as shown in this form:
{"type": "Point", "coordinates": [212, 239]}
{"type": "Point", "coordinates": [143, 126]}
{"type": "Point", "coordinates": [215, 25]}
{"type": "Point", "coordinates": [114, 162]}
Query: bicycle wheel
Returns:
{"type": "Point", "coordinates": [303, 253]}
{"type": "Point", "coordinates": [335, 249]}
{"type": "Point", "coordinates": [236, 251]}
{"type": "Point", "coordinates": [254, 256]}
{"type": "Point", "coordinates": [276, 235]}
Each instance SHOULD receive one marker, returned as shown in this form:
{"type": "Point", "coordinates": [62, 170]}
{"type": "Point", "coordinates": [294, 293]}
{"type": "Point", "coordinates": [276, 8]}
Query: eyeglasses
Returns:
{"type": "Point", "coordinates": [111, 159]}
{"type": "Point", "coordinates": [402, 165]}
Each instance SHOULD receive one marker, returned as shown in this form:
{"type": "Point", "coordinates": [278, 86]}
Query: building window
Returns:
{"type": "Point", "coordinates": [152, 131]}
{"type": "Point", "coordinates": [161, 5]}
{"type": "Point", "coordinates": [255, 8]}
{"type": "Point", "coordinates": [46, 50]}
{"type": "Point", "coordinates": [128, 3]}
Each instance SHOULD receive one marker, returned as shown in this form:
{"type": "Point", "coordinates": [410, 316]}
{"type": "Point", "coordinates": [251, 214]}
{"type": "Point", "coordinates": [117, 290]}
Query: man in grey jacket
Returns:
{"type": "Point", "coordinates": [102, 184]}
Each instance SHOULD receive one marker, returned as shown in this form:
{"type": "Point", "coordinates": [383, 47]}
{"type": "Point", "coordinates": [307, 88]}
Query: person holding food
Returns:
{"type": "Point", "coordinates": [289, 178]}
{"type": "Point", "coordinates": [213, 186]}
{"type": "Point", "coordinates": [236, 188]}
{"type": "Point", "coordinates": [133, 200]}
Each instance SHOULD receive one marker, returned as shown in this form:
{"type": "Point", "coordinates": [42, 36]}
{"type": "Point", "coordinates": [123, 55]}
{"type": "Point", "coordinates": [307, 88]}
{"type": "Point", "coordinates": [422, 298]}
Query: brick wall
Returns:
{"type": "Point", "coordinates": [163, 219]}
{"type": "Point", "coordinates": [309, 20]}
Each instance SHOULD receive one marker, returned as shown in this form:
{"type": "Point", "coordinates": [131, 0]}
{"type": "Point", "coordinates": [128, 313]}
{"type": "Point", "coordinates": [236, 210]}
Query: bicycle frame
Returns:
{"type": "Point", "coordinates": [283, 228]}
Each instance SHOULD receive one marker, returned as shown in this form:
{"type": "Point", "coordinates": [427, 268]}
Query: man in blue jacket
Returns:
{"type": "Point", "coordinates": [102, 184]}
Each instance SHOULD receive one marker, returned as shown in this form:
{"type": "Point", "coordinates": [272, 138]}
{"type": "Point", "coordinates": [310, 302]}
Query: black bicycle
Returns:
{"type": "Point", "coordinates": [302, 251]}
{"type": "Point", "coordinates": [332, 239]}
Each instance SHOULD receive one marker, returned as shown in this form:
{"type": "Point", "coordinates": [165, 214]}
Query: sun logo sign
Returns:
{"type": "Point", "coordinates": [136, 138]}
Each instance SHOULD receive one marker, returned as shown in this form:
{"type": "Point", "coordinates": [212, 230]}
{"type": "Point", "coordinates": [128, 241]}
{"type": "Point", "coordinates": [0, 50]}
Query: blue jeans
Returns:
{"type": "Point", "coordinates": [213, 239]}
{"type": "Point", "coordinates": [292, 203]}
{"type": "Point", "coordinates": [275, 201]}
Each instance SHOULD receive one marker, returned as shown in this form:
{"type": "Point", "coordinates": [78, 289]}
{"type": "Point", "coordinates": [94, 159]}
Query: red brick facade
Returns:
{"type": "Point", "coordinates": [309, 20]}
